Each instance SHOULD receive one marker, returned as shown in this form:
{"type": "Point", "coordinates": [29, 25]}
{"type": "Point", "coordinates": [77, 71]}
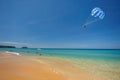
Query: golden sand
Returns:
{"type": "Point", "coordinates": [14, 67]}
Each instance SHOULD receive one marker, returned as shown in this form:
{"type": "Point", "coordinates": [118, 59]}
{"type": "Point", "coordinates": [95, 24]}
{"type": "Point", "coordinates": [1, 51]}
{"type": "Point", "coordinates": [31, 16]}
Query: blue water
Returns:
{"type": "Point", "coordinates": [110, 54]}
{"type": "Point", "coordinates": [104, 62]}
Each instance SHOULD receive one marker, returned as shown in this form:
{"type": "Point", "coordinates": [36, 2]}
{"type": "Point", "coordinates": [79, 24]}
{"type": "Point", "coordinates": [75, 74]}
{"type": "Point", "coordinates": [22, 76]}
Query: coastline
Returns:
{"type": "Point", "coordinates": [28, 67]}
{"type": "Point", "coordinates": [14, 67]}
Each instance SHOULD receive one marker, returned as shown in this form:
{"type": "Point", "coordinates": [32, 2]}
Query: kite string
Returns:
{"type": "Point", "coordinates": [87, 19]}
{"type": "Point", "coordinates": [87, 23]}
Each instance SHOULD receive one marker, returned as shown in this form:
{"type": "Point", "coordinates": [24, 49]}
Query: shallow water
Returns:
{"type": "Point", "coordinates": [101, 62]}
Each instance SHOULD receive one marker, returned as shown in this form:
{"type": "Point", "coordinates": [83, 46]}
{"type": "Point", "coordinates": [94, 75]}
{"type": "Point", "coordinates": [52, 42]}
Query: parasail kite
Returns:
{"type": "Point", "coordinates": [96, 15]}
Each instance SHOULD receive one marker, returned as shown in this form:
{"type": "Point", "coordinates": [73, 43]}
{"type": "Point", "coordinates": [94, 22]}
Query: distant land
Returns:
{"type": "Point", "coordinates": [4, 46]}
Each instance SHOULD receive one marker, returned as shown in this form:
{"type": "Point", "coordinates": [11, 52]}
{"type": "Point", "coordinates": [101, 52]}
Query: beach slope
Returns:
{"type": "Point", "coordinates": [14, 67]}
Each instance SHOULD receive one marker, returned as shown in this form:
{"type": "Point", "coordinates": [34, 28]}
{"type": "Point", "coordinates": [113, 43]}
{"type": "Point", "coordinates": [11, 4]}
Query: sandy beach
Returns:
{"type": "Point", "coordinates": [59, 40]}
{"type": "Point", "coordinates": [14, 67]}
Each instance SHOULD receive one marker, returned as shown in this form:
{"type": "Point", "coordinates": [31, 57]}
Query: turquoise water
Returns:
{"type": "Point", "coordinates": [103, 62]}
{"type": "Point", "coordinates": [107, 54]}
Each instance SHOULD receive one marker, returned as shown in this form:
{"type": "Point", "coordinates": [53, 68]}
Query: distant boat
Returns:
{"type": "Point", "coordinates": [24, 47]}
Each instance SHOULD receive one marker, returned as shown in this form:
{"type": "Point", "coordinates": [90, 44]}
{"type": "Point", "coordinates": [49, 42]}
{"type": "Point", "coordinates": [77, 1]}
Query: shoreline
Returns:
{"type": "Point", "coordinates": [14, 67]}
{"type": "Point", "coordinates": [40, 67]}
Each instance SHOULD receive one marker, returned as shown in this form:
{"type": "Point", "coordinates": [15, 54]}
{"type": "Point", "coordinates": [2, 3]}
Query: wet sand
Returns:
{"type": "Point", "coordinates": [14, 67]}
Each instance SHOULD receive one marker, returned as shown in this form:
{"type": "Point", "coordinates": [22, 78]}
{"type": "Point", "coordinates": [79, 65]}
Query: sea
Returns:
{"type": "Point", "coordinates": [104, 62]}
{"type": "Point", "coordinates": [98, 54]}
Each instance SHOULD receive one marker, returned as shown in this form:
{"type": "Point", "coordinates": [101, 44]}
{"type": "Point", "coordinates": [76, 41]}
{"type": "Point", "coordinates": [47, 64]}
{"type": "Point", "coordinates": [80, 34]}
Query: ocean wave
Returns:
{"type": "Point", "coordinates": [15, 53]}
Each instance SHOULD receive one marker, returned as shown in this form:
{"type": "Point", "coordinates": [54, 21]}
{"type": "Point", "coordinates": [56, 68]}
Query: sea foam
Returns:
{"type": "Point", "coordinates": [15, 53]}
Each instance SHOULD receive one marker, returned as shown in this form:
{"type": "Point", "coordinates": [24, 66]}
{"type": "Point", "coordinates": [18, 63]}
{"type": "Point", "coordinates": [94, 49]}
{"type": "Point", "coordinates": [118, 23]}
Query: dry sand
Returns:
{"type": "Point", "coordinates": [14, 67]}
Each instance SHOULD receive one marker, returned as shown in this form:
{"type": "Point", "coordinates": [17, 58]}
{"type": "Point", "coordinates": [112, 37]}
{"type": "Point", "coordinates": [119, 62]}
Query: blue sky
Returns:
{"type": "Point", "coordinates": [58, 23]}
